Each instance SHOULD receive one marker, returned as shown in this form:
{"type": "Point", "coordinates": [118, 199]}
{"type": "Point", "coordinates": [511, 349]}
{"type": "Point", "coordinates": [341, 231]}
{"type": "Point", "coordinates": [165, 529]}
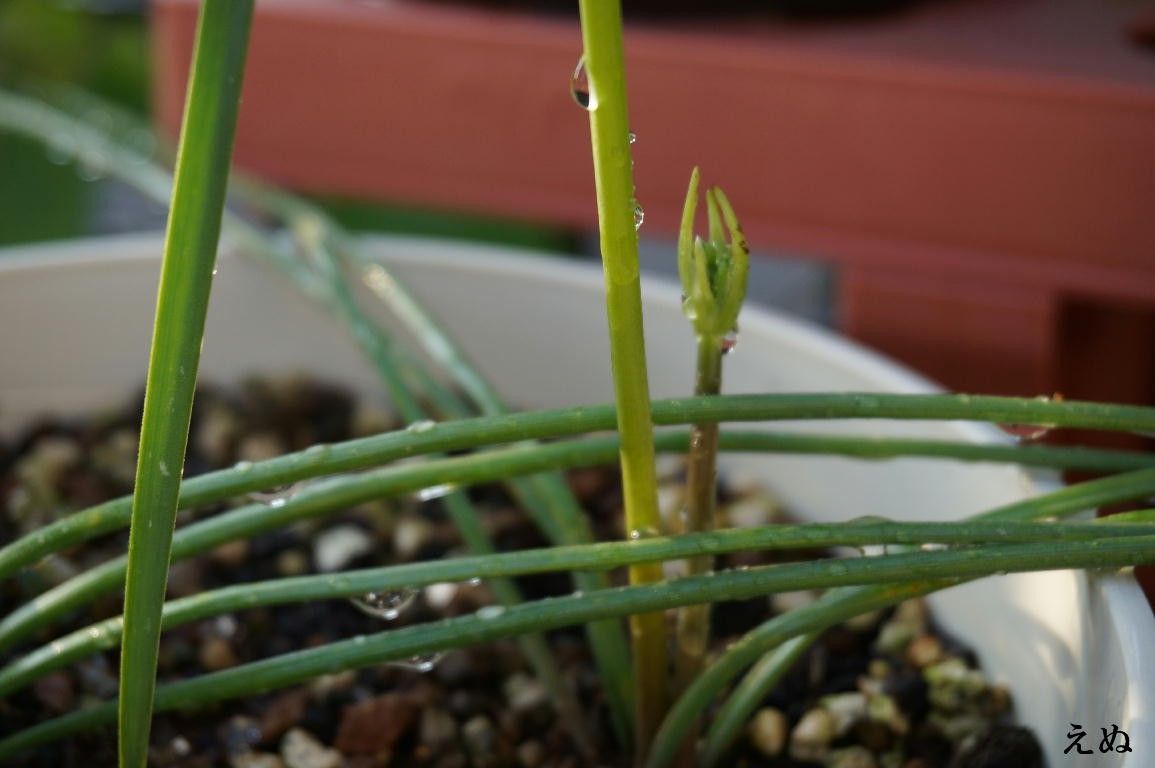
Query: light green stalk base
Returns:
{"type": "Point", "coordinates": [601, 23]}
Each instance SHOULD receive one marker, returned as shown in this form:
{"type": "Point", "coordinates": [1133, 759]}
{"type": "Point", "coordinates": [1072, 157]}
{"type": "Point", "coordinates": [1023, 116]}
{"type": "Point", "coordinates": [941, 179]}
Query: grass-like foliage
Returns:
{"type": "Point", "coordinates": [463, 434]}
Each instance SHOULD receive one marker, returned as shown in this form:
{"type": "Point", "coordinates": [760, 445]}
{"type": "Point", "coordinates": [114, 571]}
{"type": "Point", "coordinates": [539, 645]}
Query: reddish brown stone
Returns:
{"type": "Point", "coordinates": [377, 724]}
{"type": "Point", "coordinates": [55, 691]}
{"type": "Point", "coordinates": [283, 713]}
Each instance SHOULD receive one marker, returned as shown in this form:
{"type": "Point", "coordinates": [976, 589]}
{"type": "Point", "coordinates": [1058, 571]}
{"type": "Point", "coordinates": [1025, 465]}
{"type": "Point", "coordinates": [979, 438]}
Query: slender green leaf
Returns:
{"type": "Point", "coordinates": [373, 451]}
{"type": "Point", "coordinates": [338, 493]}
{"type": "Point", "coordinates": [105, 634]}
{"type": "Point", "coordinates": [182, 301]}
{"type": "Point", "coordinates": [889, 574]}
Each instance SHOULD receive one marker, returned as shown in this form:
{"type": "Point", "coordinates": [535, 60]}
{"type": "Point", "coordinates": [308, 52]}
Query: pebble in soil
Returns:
{"type": "Point", "coordinates": [882, 691]}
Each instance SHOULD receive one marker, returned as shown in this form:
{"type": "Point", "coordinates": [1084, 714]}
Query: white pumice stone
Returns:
{"type": "Point", "coordinates": [811, 737]}
{"type": "Point", "coordinates": [335, 548]}
{"type": "Point", "coordinates": [768, 730]}
{"type": "Point", "coordinates": [846, 708]}
{"type": "Point", "coordinates": [300, 749]}
{"type": "Point", "coordinates": [851, 757]}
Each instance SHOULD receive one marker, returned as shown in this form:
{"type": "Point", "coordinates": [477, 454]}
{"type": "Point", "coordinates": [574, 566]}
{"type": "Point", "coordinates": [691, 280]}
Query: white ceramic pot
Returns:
{"type": "Point", "coordinates": [74, 332]}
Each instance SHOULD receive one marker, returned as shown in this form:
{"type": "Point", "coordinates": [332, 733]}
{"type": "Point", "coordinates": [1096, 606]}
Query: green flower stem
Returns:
{"type": "Point", "coordinates": [105, 634]}
{"type": "Point", "coordinates": [889, 572]}
{"type": "Point", "coordinates": [601, 23]}
{"type": "Point", "coordinates": [373, 451]}
{"type": "Point", "coordinates": [714, 275]}
{"type": "Point", "coordinates": [693, 629]}
{"type": "Point", "coordinates": [838, 606]}
{"type": "Point", "coordinates": [182, 302]}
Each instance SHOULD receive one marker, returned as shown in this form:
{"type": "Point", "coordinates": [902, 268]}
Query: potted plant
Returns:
{"type": "Point", "coordinates": [1099, 658]}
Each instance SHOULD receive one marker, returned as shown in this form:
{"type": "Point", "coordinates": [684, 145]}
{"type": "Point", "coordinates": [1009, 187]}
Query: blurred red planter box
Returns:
{"type": "Point", "coordinates": [982, 173]}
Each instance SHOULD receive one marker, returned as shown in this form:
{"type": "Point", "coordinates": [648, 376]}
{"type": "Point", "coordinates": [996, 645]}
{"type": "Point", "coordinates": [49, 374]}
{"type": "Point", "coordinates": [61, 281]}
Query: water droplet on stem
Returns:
{"type": "Point", "coordinates": [729, 342]}
{"type": "Point", "coordinates": [579, 87]}
{"type": "Point", "coordinates": [1026, 433]}
{"type": "Point", "coordinates": [490, 612]}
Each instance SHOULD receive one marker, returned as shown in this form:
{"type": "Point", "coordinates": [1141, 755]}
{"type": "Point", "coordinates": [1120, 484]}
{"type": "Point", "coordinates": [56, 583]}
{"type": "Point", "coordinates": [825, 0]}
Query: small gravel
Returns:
{"type": "Point", "coordinates": [885, 690]}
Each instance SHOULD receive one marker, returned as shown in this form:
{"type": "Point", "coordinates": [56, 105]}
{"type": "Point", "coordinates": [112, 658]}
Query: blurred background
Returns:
{"type": "Point", "coordinates": [966, 185]}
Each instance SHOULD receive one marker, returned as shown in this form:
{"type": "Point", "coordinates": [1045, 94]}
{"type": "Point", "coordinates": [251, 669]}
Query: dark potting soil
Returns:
{"type": "Point", "coordinates": [882, 691]}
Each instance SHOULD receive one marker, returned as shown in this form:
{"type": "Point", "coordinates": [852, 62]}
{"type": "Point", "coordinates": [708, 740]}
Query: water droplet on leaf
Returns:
{"type": "Point", "coordinates": [386, 604]}
{"type": "Point", "coordinates": [91, 165]}
{"type": "Point", "coordinates": [490, 612]}
{"type": "Point", "coordinates": [435, 492]}
{"type": "Point", "coordinates": [58, 148]}
{"type": "Point", "coordinates": [639, 216]}
{"type": "Point", "coordinates": [418, 427]}
{"type": "Point", "coordinates": [424, 662]}
{"type": "Point", "coordinates": [276, 496]}
{"type": "Point", "coordinates": [643, 533]}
